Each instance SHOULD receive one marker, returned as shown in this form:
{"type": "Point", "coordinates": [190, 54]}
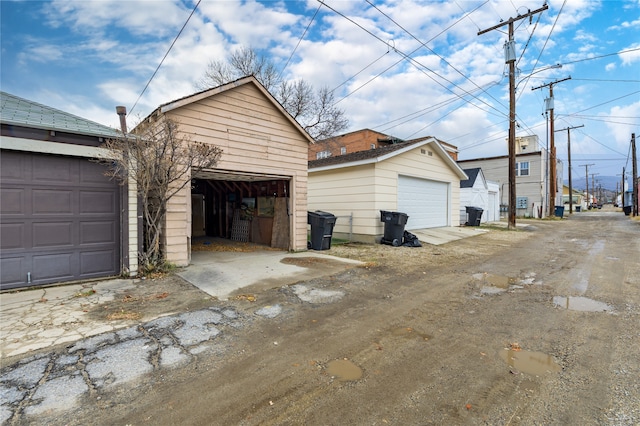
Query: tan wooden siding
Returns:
{"type": "Point", "coordinates": [255, 137]}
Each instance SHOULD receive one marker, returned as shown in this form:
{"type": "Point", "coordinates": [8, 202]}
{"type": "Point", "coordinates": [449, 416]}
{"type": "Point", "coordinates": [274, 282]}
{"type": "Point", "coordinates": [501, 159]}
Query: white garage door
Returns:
{"type": "Point", "coordinates": [425, 201]}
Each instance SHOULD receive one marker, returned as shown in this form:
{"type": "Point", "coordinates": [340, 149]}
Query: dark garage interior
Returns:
{"type": "Point", "coordinates": [241, 209]}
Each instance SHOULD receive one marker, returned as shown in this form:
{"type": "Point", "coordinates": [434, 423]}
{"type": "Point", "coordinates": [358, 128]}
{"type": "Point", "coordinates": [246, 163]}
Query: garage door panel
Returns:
{"type": "Point", "coordinates": [89, 174]}
{"type": "Point", "coordinates": [48, 201]}
{"type": "Point", "coordinates": [12, 201]}
{"type": "Point", "coordinates": [11, 270]}
{"type": "Point", "coordinates": [53, 234]}
{"type": "Point", "coordinates": [97, 233]}
{"type": "Point", "coordinates": [48, 267]}
{"type": "Point", "coordinates": [97, 202]}
{"type": "Point", "coordinates": [56, 226]}
{"type": "Point", "coordinates": [93, 263]}
{"type": "Point", "coordinates": [54, 170]}
{"type": "Point", "coordinates": [425, 201]}
{"type": "Point", "coordinates": [12, 236]}
{"type": "Point", "coordinates": [12, 167]}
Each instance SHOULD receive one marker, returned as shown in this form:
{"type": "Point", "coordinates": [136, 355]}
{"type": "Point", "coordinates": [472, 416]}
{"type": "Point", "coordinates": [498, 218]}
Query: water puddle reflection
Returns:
{"type": "Point", "coordinates": [344, 370]}
{"type": "Point", "coordinates": [409, 333]}
{"type": "Point", "coordinates": [583, 304]}
{"type": "Point", "coordinates": [536, 363]}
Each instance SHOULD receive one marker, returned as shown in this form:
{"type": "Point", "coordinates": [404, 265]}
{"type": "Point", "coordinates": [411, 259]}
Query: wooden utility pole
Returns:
{"type": "Point", "coordinates": [634, 180]}
{"type": "Point", "coordinates": [552, 149]}
{"type": "Point", "coordinates": [568, 129]}
{"type": "Point", "coordinates": [510, 58]}
{"type": "Point", "coordinates": [586, 180]}
{"type": "Point", "coordinates": [593, 182]}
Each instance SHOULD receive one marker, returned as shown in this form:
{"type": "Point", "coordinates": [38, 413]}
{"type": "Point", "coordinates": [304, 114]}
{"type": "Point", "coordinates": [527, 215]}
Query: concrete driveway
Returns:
{"type": "Point", "coordinates": [224, 274]}
{"type": "Point", "coordinates": [438, 236]}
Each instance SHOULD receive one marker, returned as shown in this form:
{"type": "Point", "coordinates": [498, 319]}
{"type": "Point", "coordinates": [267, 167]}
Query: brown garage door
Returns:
{"type": "Point", "coordinates": [59, 220]}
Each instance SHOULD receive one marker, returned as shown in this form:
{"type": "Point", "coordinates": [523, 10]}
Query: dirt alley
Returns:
{"type": "Point", "coordinates": [535, 326]}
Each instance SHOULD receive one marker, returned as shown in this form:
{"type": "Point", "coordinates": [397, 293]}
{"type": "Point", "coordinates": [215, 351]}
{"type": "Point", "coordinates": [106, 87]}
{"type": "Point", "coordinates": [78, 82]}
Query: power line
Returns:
{"type": "Point", "coordinates": [435, 53]}
{"type": "Point", "coordinates": [165, 56]}
{"type": "Point", "coordinates": [299, 40]}
{"type": "Point", "coordinates": [602, 56]}
{"type": "Point", "coordinates": [546, 41]}
{"type": "Point", "coordinates": [419, 66]}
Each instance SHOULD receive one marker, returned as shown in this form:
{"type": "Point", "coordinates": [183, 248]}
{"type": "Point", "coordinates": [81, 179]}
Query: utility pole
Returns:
{"type": "Point", "coordinates": [586, 180]}
{"type": "Point", "coordinates": [634, 160]}
{"type": "Point", "coordinates": [552, 153]}
{"type": "Point", "coordinates": [593, 181]}
{"type": "Point", "coordinates": [568, 129]}
{"type": "Point", "coordinates": [510, 58]}
{"type": "Point", "coordinates": [622, 190]}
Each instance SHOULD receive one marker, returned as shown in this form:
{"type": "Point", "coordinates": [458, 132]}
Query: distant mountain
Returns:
{"type": "Point", "coordinates": [607, 182]}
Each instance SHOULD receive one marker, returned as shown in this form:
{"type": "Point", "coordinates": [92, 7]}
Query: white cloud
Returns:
{"type": "Point", "coordinates": [630, 58]}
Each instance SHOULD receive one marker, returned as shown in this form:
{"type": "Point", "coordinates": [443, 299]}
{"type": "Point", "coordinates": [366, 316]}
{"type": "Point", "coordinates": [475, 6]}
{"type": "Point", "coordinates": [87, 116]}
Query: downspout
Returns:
{"type": "Point", "coordinates": [124, 206]}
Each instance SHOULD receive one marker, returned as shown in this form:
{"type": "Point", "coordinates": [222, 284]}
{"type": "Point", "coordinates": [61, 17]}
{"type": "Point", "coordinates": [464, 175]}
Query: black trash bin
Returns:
{"type": "Point", "coordinates": [321, 229]}
{"type": "Point", "coordinates": [394, 223]}
{"type": "Point", "coordinates": [475, 215]}
{"type": "Point", "coordinates": [559, 211]}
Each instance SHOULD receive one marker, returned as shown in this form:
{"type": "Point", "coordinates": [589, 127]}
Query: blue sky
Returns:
{"type": "Point", "coordinates": [86, 57]}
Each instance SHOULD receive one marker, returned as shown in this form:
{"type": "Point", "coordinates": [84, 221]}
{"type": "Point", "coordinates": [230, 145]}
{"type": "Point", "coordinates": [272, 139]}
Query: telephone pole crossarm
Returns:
{"type": "Point", "coordinates": [512, 20]}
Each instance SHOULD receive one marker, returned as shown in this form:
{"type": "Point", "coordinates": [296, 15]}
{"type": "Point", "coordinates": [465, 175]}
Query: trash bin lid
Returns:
{"type": "Point", "coordinates": [319, 213]}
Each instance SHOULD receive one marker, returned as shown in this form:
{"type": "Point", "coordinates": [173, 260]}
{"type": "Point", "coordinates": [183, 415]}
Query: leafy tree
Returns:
{"type": "Point", "coordinates": [160, 160]}
{"type": "Point", "coordinates": [314, 110]}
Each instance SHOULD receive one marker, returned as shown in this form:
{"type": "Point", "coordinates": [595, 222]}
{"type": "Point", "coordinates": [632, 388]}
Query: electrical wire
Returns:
{"type": "Point", "coordinates": [435, 53]}
{"type": "Point", "coordinates": [418, 65]}
{"type": "Point", "coordinates": [602, 56]}
{"type": "Point", "coordinates": [359, 72]}
{"type": "Point", "coordinates": [545, 44]}
{"type": "Point", "coordinates": [165, 56]}
{"type": "Point", "coordinates": [299, 41]}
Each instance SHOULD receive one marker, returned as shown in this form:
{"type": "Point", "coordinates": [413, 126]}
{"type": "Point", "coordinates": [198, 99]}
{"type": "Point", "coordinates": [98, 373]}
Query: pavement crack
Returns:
{"type": "Point", "coordinates": [28, 397]}
{"type": "Point", "coordinates": [154, 356]}
{"type": "Point", "coordinates": [82, 367]}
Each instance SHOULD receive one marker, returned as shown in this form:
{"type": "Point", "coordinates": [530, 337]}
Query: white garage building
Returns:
{"type": "Point", "coordinates": [417, 178]}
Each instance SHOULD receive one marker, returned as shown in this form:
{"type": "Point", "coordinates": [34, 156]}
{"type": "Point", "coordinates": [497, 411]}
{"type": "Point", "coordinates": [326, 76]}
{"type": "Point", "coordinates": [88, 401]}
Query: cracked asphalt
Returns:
{"type": "Point", "coordinates": [32, 385]}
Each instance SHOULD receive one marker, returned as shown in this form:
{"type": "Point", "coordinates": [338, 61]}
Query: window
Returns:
{"type": "Point", "coordinates": [373, 146]}
{"type": "Point", "coordinates": [323, 154]}
{"type": "Point", "coordinates": [522, 168]}
{"type": "Point", "coordinates": [343, 150]}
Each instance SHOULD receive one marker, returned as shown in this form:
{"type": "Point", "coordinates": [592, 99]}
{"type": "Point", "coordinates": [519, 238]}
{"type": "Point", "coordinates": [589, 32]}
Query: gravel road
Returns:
{"type": "Point", "coordinates": [528, 327]}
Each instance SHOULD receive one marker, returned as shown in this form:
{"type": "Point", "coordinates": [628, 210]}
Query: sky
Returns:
{"type": "Point", "coordinates": [405, 68]}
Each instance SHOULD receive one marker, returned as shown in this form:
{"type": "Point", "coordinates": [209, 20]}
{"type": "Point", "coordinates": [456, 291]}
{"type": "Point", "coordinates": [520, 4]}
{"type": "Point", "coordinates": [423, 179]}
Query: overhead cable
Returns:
{"type": "Point", "coordinates": [165, 56]}
{"type": "Point", "coordinates": [300, 40]}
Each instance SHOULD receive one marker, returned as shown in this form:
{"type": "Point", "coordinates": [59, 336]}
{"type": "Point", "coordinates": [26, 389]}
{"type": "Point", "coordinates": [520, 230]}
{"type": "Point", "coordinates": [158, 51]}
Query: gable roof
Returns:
{"type": "Point", "coordinates": [473, 175]}
{"type": "Point", "coordinates": [377, 155]}
{"type": "Point", "coordinates": [186, 100]}
{"type": "Point", "coordinates": [18, 111]}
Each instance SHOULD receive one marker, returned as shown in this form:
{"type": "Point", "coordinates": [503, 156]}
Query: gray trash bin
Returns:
{"type": "Point", "coordinates": [394, 223]}
{"type": "Point", "coordinates": [322, 224]}
{"type": "Point", "coordinates": [475, 216]}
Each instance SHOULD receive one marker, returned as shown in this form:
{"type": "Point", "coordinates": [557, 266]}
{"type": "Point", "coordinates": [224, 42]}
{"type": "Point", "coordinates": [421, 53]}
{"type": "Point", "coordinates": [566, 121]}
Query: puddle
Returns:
{"type": "Point", "coordinates": [498, 281]}
{"type": "Point", "coordinates": [409, 333]}
{"type": "Point", "coordinates": [536, 363]}
{"type": "Point", "coordinates": [583, 304]}
{"type": "Point", "coordinates": [344, 370]}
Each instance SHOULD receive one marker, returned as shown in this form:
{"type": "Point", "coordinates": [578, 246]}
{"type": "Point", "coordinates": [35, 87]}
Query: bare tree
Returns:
{"type": "Point", "coordinates": [314, 110]}
{"type": "Point", "coordinates": [160, 160]}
